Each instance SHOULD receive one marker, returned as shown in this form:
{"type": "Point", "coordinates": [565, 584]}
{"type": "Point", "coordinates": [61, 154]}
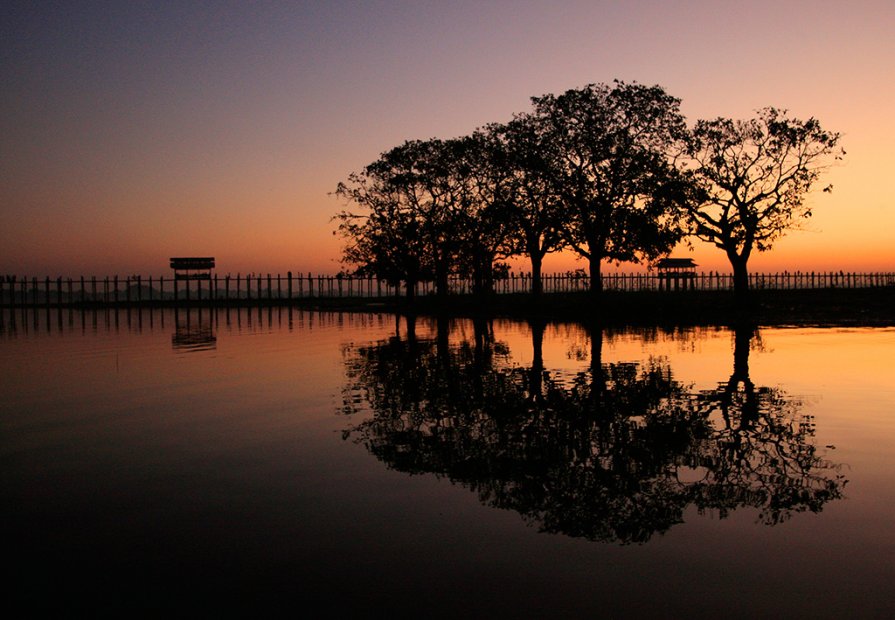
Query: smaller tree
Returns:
{"type": "Point", "coordinates": [482, 228]}
{"type": "Point", "coordinates": [386, 237]}
{"type": "Point", "coordinates": [751, 178]}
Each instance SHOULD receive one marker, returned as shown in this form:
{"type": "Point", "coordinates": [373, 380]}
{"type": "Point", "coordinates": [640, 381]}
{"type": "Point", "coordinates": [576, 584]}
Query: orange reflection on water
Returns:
{"type": "Point", "coordinates": [268, 448]}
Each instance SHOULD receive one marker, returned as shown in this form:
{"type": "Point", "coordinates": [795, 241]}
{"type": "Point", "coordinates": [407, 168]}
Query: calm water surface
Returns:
{"type": "Point", "coordinates": [176, 460]}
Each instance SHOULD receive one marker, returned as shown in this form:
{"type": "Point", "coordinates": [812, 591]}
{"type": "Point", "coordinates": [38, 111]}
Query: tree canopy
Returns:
{"type": "Point", "coordinates": [609, 165]}
{"type": "Point", "coordinates": [751, 178]}
{"type": "Point", "coordinates": [609, 171]}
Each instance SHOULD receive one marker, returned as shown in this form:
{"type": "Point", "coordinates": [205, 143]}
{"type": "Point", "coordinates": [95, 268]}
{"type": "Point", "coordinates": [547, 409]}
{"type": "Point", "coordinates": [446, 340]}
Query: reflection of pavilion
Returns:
{"type": "Point", "coordinates": [676, 273]}
{"type": "Point", "coordinates": [193, 330]}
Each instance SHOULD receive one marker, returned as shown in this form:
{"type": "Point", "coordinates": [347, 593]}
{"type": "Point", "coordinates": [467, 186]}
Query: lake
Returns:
{"type": "Point", "coordinates": [365, 464]}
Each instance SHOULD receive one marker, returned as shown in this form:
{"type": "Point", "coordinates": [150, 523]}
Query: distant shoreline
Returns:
{"type": "Point", "coordinates": [871, 307]}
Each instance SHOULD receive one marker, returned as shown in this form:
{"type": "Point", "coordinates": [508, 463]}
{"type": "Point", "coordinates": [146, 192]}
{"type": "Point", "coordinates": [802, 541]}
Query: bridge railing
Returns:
{"type": "Point", "coordinates": [136, 289]}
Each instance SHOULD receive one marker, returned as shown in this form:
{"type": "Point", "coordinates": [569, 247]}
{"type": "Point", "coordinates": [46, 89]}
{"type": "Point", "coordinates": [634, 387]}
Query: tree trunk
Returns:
{"type": "Point", "coordinates": [482, 278]}
{"type": "Point", "coordinates": [536, 286]}
{"type": "Point", "coordinates": [411, 289]}
{"type": "Point", "coordinates": [536, 376]}
{"type": "Point", "coordinates": [740, 277]}
{"type": "Point", "coordinates": [442, 341]}
{"type": "Point", "coordinates": [597, 376]}
{"type": "Point", "coordinates": [596, 278]}
{"type": "Point", "coordinates": [441, 281]}
{"type": "Point", "coordinates": [411, 328]}
{"type": "Point", "coordinates": [743, 335]}
{"type": "Point", "coordinates": [747, 397]}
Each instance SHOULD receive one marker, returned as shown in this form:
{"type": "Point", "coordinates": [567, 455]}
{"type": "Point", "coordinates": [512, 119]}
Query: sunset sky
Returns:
{"type": "Point", "coordinates": [137, 131]}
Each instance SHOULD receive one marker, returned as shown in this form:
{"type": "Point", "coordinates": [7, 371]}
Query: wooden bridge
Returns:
{"type": "Point", "coordinates": [261, 288]}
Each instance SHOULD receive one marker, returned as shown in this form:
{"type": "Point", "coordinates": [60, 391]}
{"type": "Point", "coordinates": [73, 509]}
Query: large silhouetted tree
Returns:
{"type": "Point", "coordinates": [533, 207]}
{"type": "Point", "coordinates": [611, 167]}
{"type": "Point", "coordinates": [752, 177]}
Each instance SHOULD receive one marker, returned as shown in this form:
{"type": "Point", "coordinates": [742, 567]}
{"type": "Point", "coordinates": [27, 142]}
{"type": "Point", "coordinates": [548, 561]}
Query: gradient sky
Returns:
{"type": "Point", "coordinates": [136, 131]}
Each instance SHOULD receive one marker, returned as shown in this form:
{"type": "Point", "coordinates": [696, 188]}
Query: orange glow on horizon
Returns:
{"type": "Point", "coordinates": [118, 161]}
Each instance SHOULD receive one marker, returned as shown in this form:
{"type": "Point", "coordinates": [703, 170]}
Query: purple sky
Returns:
{"type": "Point", "coordinates": [135, 131]}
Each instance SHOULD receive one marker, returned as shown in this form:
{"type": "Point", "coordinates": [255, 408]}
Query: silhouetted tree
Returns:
{"type": "Point", "coordinates": [752, 176]}
{"type": "Point", "coordinates": [386, 239]}
{"type": "Point", "coordinates": [533, 207]}
{"type": "Point", "coordinates": [485, 227]}
{"type": "Point", "coordinates": [610, 163]}
{"type": "Point", "coordinates": [412, 199]}
{"type": "Point", "coordinates": [443, 202]}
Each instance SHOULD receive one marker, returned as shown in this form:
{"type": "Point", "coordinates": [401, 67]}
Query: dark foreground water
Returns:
{"type": "Point", "coordinates": [194, 462]}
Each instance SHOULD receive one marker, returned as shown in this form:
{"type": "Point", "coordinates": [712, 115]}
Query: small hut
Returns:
{"type": "Point", "coordinates": [193, 268]}
{"type": "Point", "coordinates": [676, 273]}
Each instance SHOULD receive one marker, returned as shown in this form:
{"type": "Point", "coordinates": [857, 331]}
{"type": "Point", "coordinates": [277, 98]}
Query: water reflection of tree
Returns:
{"type": "Point", "coordinates": [761, 452]}
{"type": "Point", "coordinates": [617, 453]}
